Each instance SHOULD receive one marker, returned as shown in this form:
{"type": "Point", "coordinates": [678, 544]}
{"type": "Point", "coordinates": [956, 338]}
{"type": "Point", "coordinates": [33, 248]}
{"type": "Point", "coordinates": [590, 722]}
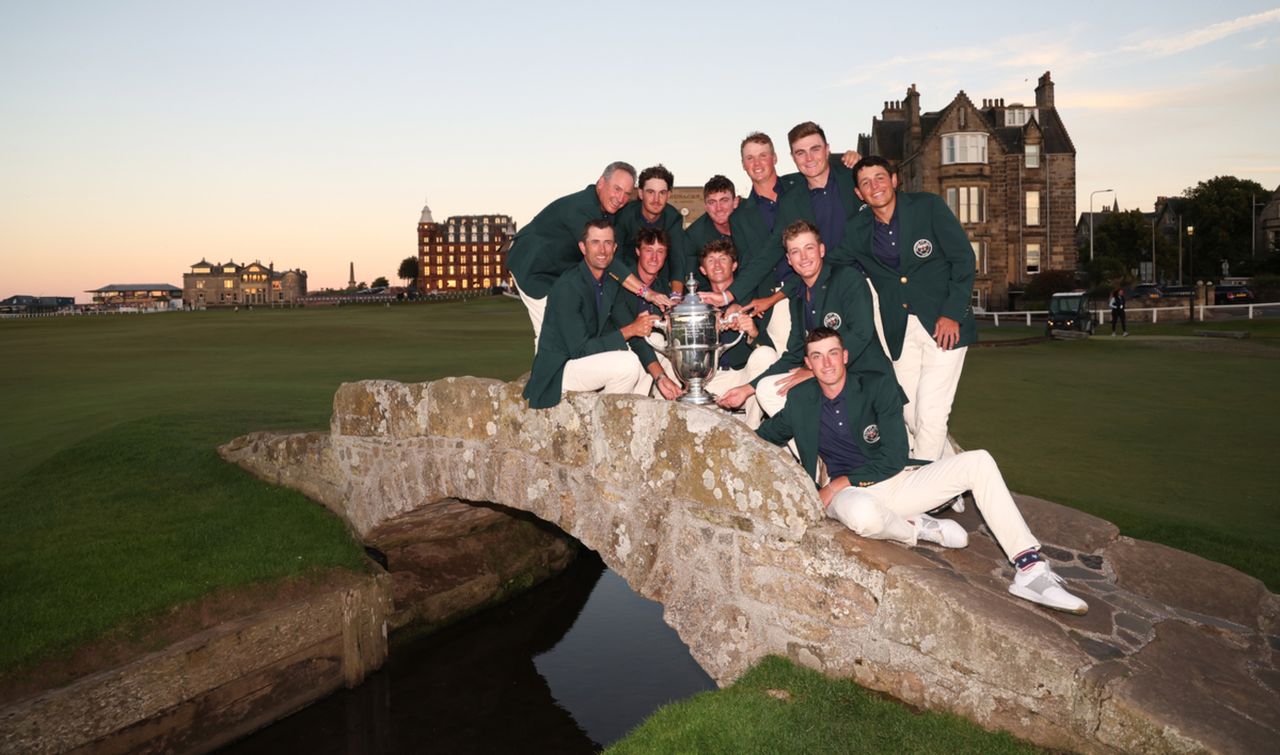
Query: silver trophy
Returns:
{"type": "Point", "coordinates": [693, 343]}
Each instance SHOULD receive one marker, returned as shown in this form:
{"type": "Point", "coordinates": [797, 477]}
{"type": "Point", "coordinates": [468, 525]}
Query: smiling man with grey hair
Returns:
{"type": "Point", "coordinates": [548, 245]}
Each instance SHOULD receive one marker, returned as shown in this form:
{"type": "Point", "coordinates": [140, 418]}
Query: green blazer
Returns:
{"type": "Point", "coordinates": [843, 303]}
{"type": "Point", "coordinates": [572, 328]}
{"type": "Point", "coordinates": [700, 233]}
{"type": "Point", "coordinates": [875, 399]}
{"type": "Point", "coordinates": [755, 266]}
{"type": "Point", "coordinates": [548, 246]}
{"type": "Point", "coordinates": [935, 269]}
{"type": "Point", "coordinates": [627, 227]}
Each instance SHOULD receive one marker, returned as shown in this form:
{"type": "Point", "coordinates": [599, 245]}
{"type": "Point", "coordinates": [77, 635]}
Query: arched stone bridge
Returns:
{"type": "Point", "coordinates": [725, 530]}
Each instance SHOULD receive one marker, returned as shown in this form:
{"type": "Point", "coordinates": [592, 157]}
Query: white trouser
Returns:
{"type": "Point", "coordinates": [929, 376]}
{"type": "Point", "coordinates": [767, 394]}
{"type": "Point", "coordinates": [779, 329]}
{"type": "Point", "coordinates": [881, 511]}
{"type": "Point", "coordinates": [725, 380]}
{"type": "Point", "coordinates": [537, 309]}
{"type": "Point", "coordinates": [608, 372]}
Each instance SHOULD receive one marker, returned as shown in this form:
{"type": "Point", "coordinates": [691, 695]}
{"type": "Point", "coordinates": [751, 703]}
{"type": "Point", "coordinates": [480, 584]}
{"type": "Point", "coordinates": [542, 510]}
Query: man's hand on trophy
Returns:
{"type": "Point", "coordinates": [742, 323]}
{"type": "Point", "coordinates": [793, 378]}
{"type": "Point", "coordinates": [736, 397]}
{"type": "Point", "coordinates": [641, 326]}
{"type": "Point", "coordinates": [669, 388]}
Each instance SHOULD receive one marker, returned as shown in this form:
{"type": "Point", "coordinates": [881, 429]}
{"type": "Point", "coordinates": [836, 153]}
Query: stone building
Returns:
{"type": "Point", "coordinates": [229, 284]}
{"type": "Point", "coordinates": [1008, 172]}
{"type": "Point", "coordinates": [465, 252]}
{"type": "Point", "coordinates": [136, 296]}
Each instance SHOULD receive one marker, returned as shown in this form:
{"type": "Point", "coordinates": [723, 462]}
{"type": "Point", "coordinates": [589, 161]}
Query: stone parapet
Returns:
{"type": "Point", "coordinates": [1177, 654]}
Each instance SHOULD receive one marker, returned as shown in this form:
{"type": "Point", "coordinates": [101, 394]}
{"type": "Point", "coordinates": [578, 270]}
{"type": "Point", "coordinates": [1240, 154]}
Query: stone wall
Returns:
{"type": "Point", "coordinates": [1176, 653]}
{"type": "Point", "coordinates": [209, 689]}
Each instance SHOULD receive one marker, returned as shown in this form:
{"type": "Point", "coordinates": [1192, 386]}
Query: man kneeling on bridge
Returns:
{"type": "Point", "coordinates": [853, 423]}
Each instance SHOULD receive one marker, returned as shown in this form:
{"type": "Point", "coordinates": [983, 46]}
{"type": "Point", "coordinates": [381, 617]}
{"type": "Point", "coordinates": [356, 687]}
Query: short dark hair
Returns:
{"type": "Point", "coordinates": [716, 184]}
{"type": "Point", "coordinates": [600, 223]}
{"type": "Point", "coordinates": [657, 171]}
{"type": "Point", "coordinates": [797, 228]}
{"type": "Point", "coordinates": [872, 161]}
{"type": "Point", "coordinates": [719, 246]}
{"type": "Point", "coordinates": [653, 236]}
{"type": "Point", "coordinates": [801, 130]}
{"type": "Point", "coordinates": [821, 332]}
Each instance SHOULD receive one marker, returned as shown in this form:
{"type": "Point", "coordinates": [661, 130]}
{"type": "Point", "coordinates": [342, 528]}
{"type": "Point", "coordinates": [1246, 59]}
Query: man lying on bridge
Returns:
{"type": "Point", "coordinates": [852, 421]}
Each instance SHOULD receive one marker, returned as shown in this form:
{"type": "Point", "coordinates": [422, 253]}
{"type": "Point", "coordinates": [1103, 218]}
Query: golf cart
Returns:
{"type": "Point", "coordinates": [1070, 312]}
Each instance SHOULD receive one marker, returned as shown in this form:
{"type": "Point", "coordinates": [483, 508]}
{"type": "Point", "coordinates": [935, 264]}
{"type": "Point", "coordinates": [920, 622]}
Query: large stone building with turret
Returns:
{"type": "Point", "coordinates": [229, 284]}
{"type": "Point", "coordinates": [464, 253]}
{"type": "Point", "coordinates": [1008, 172]}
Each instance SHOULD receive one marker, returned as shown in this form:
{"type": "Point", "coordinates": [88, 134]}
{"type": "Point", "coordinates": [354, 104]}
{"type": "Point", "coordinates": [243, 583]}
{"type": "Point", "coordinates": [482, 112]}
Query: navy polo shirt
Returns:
{"type": "Point", "coordinates": [836, 445]}
{"type": "Point", "coordinates": [828, 211]}
{"type": "Point", "coordinates": [598, 287]}
{"type": "Point", "coordinates": [768, 207]}
{"type": "Point", "coordinates": [884, 240]}
{"type": "Point", "coordinates": [808, 304]}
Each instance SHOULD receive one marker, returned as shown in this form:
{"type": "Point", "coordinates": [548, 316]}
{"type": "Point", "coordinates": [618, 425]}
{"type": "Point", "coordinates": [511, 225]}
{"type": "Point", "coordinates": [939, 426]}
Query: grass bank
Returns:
{"type": "Point", "coordinates": [116, 506]}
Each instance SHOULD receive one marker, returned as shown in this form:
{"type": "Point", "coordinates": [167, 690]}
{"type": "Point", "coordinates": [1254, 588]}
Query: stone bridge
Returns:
{"type": "Point", "coordinates": [1177, 654]}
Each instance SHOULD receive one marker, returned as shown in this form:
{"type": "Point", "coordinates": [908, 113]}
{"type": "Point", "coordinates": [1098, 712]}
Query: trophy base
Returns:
{"type": "Point", "coordinates": [700, 399]}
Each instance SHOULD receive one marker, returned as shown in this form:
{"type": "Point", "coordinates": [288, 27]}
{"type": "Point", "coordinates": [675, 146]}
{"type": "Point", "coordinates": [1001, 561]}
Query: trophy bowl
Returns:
{"type": "Point", "coordinates": [693, 344]}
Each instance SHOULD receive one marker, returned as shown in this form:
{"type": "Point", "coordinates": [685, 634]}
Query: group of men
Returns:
{"type": "Point", "coordinates": [850, 301]}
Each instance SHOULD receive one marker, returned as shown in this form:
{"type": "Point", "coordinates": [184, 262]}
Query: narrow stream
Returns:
{"type": "Point", "coordinates": [571, 666]}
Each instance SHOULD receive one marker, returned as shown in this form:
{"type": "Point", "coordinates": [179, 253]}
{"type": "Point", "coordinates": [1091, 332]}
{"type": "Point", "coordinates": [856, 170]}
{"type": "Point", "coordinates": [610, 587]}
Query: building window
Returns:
{"type": "Point", "coordinates": [199, 284]}
{"type": "Point", "coordinates": [968, 203]}
{"type": "Point", "coordinates": [1033, 208]}
{"type": "Point", "coordinates": [1033, 155]}
{"type": "Point", "coordinates": [964, 148]}
{"type": "Point", "coordinates": [1033, 259]}
{"type": "Point", "coordinates": [1018, 116]}
{"type": "Point", "coordinates": [979, 256]}
{"type": "Point", "coordinates": [228, 284]}
{"type": "Point", "coordinates": [201, 270]}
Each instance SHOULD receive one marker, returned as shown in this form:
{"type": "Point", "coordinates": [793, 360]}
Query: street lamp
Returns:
{"type": "Point", "coordinates": [1099, 191]}
{"type": "Point", "coordinates": [1191, 253]}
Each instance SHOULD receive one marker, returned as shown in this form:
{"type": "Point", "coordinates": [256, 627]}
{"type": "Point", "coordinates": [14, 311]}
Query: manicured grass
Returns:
{"type": "Point", "coordinates": [1171, 437]}
{"type": "Point", "coordinates": [777, 707]}
{"type": "Point", "coordinates": [115, 504]}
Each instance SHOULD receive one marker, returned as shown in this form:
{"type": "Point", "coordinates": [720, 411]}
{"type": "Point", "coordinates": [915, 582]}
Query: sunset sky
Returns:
{"type": "Point", "coordinates": [139, 137]}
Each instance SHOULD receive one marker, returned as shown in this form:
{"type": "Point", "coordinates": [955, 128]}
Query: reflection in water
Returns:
{"type": "Point", "coordinates": [568, 667]}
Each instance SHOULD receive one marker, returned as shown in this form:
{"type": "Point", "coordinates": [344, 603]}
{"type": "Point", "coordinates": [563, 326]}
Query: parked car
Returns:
{"type": "Point", "coordinates": [1144, 291]}
{"type": "Point", "coordinates": [1070, 311]}
{"type": "Point", "coordinates": [1179, 291]}
{"type": "Point", "coordinates": [1232, 295]}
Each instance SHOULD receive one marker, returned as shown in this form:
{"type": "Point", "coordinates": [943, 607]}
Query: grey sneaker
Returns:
{"type": "Point", "coordinates": [944, 532]}
{"type": "Point", "coordinates": [1040, 584]}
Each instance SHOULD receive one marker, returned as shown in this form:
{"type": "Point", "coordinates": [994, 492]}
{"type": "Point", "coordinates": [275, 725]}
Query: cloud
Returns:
{"type": "Point", "coordinates": [1171, 45]}
{"type": "Point", "coordinates": [1216, 85]}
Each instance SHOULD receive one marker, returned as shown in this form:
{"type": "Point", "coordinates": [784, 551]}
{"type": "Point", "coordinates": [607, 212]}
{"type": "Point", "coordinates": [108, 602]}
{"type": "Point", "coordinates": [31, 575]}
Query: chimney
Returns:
{"type": "Point", "coordinates": [912, 105]}
{"type": "Point", "coordinates": [1044, 93]}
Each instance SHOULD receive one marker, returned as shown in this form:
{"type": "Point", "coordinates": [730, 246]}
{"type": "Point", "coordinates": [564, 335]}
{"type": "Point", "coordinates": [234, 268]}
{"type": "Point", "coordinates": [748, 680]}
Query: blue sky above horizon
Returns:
{"type": "Point", "coordinates": [139, 137]}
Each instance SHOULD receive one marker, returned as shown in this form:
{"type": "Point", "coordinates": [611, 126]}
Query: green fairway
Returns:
{"type": "Point", "coordinates": [116, 506]}
{"type": "Point", "coordinates": [1168, 435]}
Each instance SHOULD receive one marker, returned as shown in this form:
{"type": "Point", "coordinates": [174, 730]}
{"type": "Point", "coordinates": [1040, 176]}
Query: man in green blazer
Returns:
{"type": "Point", "coordinates": [719, 201]}
{"type": "Point", "coordinates": [651, 258]}
{"type": "Point", "coordinates": [922, 265]}
{"type": "Point", "coordinates": [548, 246]}
{"type": "Point", "coordinates": [651, 210]}
{"type": "Point", "coordinates": [852, 423]}
{"type": "Point", "coordinates": [825, 295]}
{"type": "Point", "coordinates": [583, 348]}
